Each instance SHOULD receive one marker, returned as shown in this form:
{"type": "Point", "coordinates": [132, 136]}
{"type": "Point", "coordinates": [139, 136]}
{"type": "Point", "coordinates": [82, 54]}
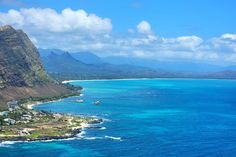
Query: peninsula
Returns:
{"type": "Point", "coordinates": [22, 124]}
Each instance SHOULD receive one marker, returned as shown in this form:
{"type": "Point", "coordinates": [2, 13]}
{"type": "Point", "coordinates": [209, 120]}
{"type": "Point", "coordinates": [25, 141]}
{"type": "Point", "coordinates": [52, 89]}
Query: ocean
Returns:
{"type": "Point", "coordinates": [145, 118]}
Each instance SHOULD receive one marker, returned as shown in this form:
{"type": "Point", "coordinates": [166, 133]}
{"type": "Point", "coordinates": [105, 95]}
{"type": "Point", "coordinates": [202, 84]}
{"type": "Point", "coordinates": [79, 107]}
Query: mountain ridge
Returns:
{"type": "Point", "coordinates": [20, 63]}
{"type": "Point", "coordinates": [68, 67]}
{"type": "Point", "coordinates": [151, 68]}
{"type": "Point", "coordinates": [22, 75]}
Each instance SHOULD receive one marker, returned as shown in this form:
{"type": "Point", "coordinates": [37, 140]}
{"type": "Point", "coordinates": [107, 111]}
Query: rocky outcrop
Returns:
{"type": "Point", "coordinates": [19, 60]}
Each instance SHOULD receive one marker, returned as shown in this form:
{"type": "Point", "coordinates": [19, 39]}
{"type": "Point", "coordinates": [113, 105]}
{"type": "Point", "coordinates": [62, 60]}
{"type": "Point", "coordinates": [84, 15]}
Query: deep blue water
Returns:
{"type": "Point", "coordinates": [146, 118]}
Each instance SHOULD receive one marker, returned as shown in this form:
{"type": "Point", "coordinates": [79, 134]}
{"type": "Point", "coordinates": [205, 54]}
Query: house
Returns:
{"type": "Point", "coordinates": [12, 104]}
{"type": "Point", "coordinates": [9, 121]}
{"type": "Point", "coordinates": [4, 113]}
{"type": "Point", "coordinates": [26, 117]}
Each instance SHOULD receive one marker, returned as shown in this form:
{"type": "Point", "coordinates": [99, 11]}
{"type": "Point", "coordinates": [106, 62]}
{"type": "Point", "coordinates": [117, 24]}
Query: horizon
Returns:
{"type": "Point", "coordinates": [153, 30]}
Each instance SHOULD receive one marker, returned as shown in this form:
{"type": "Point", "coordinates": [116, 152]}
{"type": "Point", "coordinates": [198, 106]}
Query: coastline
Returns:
{"type": "Point", "coordinates": [64, 126]}
{"type": "Point", "coordinates": [130, 79]}
{"type": "Point", "coordinates": [30, 105]}
{"type": "Point", "coordinates": [75, 133]}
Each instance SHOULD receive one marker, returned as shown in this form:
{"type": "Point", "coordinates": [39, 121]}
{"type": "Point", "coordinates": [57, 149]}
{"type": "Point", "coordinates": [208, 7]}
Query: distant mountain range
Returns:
{"type": "Point", "coordinates": [171, 66]}
{"type": "Point", "coordinates": [86, 65]}
{"type": "Point", "coordinates": [85, 57]}
{"type": "Point", "coordinates": [65, 66]}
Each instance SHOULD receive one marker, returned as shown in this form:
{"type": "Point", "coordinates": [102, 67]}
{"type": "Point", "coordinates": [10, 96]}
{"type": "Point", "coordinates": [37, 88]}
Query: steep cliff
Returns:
{"type": "Point", "coordinates": [21, 72]}
{"type": "Point", "coordinates": [19, 60]}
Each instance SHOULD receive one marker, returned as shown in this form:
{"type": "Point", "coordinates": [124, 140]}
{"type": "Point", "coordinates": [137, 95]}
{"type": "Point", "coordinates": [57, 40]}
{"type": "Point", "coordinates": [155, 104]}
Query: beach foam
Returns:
{"type": "Point", "coordinates": [81, 134]}
{"type": "Point", "coordinates": [93, 138]}
{"type": "Point", "coordinates": [102, 128]}
{"type": "Point", "coordinates": [8, 143]}
{"type": "Point", "coordinates": [69, 81]}
{"type": "Point", "coordinates": [113, 138]}
{"type": "Point", "coordinates": [105, 137]}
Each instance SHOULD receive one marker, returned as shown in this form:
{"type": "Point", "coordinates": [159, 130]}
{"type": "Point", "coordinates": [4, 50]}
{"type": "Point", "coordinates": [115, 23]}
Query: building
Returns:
{"type": "Point", "coordinates": [26, 117]}
{"type": "Point", "coordinates": [4, 113]}
{"type": "Point", "coordinates": [12, 104]}
{"type": "Point", "coordinates": [9, 121]}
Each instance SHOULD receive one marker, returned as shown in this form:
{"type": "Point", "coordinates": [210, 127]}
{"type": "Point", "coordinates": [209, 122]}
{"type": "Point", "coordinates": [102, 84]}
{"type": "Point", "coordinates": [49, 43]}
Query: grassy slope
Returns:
{"type": "Point", "coordinates": [40, 92]}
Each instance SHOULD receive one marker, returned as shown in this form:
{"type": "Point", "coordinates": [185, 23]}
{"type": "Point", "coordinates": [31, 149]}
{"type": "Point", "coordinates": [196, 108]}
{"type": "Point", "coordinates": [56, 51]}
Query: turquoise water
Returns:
{"type": "Point", "coordinates": [146, 118]}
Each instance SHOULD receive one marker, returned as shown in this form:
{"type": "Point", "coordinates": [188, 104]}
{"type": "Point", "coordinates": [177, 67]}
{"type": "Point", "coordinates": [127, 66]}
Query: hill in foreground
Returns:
{"type": "Point", "coordinates": [21, 72]}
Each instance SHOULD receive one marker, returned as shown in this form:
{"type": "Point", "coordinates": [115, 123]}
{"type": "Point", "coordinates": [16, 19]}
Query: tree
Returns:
{"type": "Point", "coordinates": [1, 122]}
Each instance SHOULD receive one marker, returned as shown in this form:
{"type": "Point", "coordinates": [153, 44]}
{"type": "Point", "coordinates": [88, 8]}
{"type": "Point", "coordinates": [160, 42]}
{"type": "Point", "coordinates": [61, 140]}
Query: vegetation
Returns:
{"type": "Point", "coordinates": [38, 125]}
{"type": "Point", "coordinates": [47, 98]}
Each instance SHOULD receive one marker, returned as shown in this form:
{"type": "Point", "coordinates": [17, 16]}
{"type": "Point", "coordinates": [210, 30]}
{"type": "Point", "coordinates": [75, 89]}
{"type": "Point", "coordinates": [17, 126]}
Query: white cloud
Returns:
{"type": "Point", "coordinates": [68, 29]}
{"type": "Point", "coordinates": [189, 41]}
{"type": "Point", "coordinates": [77, 30]}
{"type": "Point", "coordinates": [67, 20]}
{"type": "Point", "coordinates": [229, 36]}
{"type": "Point", "coordinates": [144, 27]}
{"type": "Point", "coordinates": [186, 42]}
{"type": "Point", "coordinates": [140, 53]}
{"type": "Point", "coordinates": [13, 17]}
{"type": "Point", "coordinates": [226, 43]}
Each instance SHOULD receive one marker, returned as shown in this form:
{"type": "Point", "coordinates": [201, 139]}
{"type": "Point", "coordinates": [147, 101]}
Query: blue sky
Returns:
{"type": "Point", "coordinates": [205, 18]}
{"type": "Point", "coordinates": [198, 30]}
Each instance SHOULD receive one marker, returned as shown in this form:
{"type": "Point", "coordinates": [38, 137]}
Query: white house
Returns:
{"type": "Point", "coordinates": [9, 121]}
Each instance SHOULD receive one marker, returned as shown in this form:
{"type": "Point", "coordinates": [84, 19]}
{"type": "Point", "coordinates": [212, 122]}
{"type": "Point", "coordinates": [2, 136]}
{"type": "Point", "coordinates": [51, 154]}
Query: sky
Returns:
{"type": "Point", "coordinates": [196, 30]}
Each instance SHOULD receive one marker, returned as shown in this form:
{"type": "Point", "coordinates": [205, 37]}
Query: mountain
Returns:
{"type": "Point", "coordinates": [20, 64]}
{"type": "Point", "coordinates": [85, 57]}
{"type": "Point", "coordinates": [22, 74]}
{"type": "Point", "coordinates": [171, 66]}
{"type": "Point", "coordinates": [63, 63]}
{"type": "Point", "coordinates": [180, 69]}
{"type": "Point", "coordinates": [227, 74]}
{"type": "Point", "coordinates": [64, 66]}
{"type": "Point", "coordinates": [47, 52]}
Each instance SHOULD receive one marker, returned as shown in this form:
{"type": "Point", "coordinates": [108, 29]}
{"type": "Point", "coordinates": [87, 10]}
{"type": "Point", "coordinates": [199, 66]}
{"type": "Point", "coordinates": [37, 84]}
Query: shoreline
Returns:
{"type": "Point", "coordinates": [74, 125]}
{"type": "Point", "coordinates": [77, 136]}
{"type": "Point", "coordinates": [31, 105]}
{"type": "Point", "coordinates": [75, 133]}
{"type": "Point", "coordinates": [127, 79]}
